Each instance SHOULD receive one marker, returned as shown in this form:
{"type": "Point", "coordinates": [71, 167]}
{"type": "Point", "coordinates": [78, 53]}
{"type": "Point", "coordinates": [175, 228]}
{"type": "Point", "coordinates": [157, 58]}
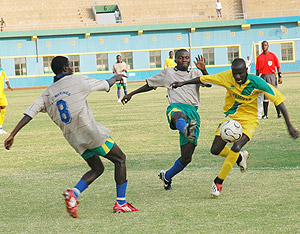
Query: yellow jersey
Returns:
{"type": "Point", "coordinates": [170, 63]}
{"type": "Point", "coordinates": [244, 101]}
{"type": "Point", "coordinates": [3, 79]}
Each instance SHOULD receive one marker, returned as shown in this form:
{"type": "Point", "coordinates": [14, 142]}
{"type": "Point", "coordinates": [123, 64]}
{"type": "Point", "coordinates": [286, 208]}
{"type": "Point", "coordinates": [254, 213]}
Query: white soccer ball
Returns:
{"type": "Point", "coordinates": [231, 130]}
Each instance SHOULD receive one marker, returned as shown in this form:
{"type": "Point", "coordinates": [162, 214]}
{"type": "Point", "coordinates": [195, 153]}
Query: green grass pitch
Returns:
{"type": "Point", "coordinates": [41, 165]}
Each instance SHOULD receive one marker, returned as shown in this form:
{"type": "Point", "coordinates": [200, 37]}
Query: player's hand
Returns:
{"type": "Point", "coordinates": [280, 80]}
{"type": "Point", "coordinates": [8, 142]}
{"type": "Point", "coordinates": [200, 62]}
{"type": "Point", "coordinates": [119, 77]}
{"type": "Point", "coordinates": [293, 132]}
{"type": "Point", "coordinates": [126, 99]}
{"type": "Point", "coordinates": [176, 84]}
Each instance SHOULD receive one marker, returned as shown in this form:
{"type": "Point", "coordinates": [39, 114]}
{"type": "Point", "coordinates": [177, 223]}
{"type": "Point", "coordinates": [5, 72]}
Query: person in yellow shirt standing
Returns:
{"type": "Point", "coordinates": [3, 100]}
{"type": "Point", "coordinates": [170, 61]}
{"type": "Point", "coordinates": [243, 103]}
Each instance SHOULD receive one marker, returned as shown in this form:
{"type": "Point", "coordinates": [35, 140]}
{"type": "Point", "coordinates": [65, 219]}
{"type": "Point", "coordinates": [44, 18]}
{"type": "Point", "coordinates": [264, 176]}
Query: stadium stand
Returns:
{"type": "Point", "coordinates": [274, 8]}
{"type": "Point", "coordinates": [48, 14]}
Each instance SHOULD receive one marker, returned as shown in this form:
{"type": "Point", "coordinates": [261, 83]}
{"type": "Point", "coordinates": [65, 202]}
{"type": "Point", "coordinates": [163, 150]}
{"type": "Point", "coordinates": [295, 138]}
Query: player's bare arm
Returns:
{"type": "Point", "coordinates": [142, 89]}
{"type": "Point", "coordinates": [200, 64]}
{"type": "Point", "coordinates": [115, 78]}
{"type": "Point", "coordinates": [8, 86]}
{"type": "Point", "coordinates": [292, 131]}
{"type": "Point", "coordinates": [177, 84]}
{"type": "Point", "coordinates": [9, 141]}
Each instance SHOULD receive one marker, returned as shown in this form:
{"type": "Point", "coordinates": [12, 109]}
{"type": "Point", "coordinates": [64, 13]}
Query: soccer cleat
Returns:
{"type": "Point", "coordinates": [127, 207]}
{"type": "Point", "coordinates": [264, 117]}
{"type": "Point", "coordinates": [167, 184]}
{"type": "Point", "coordinates": [2, 131]}
{"type": "Point", "coordinates": [216, 189]}
{"type": "Point", "coordinates": [279, 116]}
{"type": "Point", "coordinates": [243, 163]}
{"type": "Point", "coordinates": [190, 130]}
{"type": "Point", "coordinates": [71, 202]}
{"type": "Point", "coordinates": [119, 100]}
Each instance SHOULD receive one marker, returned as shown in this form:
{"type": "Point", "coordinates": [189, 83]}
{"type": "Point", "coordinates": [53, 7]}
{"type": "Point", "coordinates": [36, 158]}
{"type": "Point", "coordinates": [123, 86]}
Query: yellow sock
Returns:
{"type": "Point", "coordinates": [2, 114]}
{"type": "Point", "coordinates": [228, 164]}
{"type": "Point", "coordinates": [225, 151]}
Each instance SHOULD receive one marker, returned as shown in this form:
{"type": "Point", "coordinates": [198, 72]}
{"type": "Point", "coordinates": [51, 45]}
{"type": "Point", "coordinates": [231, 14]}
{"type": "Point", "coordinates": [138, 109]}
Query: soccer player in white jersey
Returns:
{"type": "Point", "coordinates": [243, 103]}
{"type": "Point", "coordinates": [120, 67]}
{"type": "Point", "coordinates": [182, 112]}
{"type": "Point", "coordinates": [65, 101]}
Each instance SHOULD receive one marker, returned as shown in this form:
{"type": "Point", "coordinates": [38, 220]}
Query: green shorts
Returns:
{"type": "Point", "coordinates": [121, 85]}
{"type": "Point", "coordinates": [101, 150]}
{"type": "Point", "coordinates": [190, 112]}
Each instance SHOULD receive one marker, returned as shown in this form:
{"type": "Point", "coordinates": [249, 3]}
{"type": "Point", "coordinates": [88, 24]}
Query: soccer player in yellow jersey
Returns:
{"type": "Point", "coordinates": [3, 100]}
{"type": "Point", "coordinates": [170, 61]}
{"type": "Point", "coordinates": [243, 102]}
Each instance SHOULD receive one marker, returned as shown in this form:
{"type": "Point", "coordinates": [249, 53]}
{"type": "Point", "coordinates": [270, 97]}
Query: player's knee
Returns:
{"type": "Point", "coordinates": [120, 159]}
{"type": "Point", "coordinates": [99, 170]}
{"type": "Point", "coordinates": [236, 147]}
{"type": "Point", "coordinates": [186, 160]}
{"type": "Point", "coordinates": [215, 150]}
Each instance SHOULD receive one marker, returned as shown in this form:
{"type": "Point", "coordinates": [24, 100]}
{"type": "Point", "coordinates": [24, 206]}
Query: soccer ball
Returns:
{"type": "Point", "coordinates": [231, 130]}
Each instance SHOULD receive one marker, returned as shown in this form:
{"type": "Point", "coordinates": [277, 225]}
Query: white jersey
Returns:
{"type": "Point", "coordinates": [118, 69]}
{"type": "Point", "coordinates": [65, 101]}
{"type": "Point", "coordinates": [187, 94]}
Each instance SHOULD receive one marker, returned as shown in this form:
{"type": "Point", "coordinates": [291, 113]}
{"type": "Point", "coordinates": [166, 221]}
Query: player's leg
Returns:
{"type": "Point", "coordinates": [2, 117]}
{"type": "Point", "coordinates": [116, 156]}
{"type": "Point", "coordinates": [266, 107]}
{"type": "Point", "coordinates": [189, 133]}
{"type": "Point", "coordinates": [180, 121]}
{"type": "Point", "coordinates": [119, 91]}
{"type": "Point", "coordinates": [125, 88]}
{"type": "Point", "coordinates": [187, 151]}
{"type": "Point", "coordinates": [233, 157]}
{"type": "Point", "coordinates": [71, 195]}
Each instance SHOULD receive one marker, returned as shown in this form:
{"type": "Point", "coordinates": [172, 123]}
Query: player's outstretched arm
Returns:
{"type": "Point", "coordinates": [293, 132]}
{"type": "Point", "coordinates": [177, 84]}
{"type": "Point", "coordinates": [142, 89]}
{"type": "Point", "coordinates": [9, 141]}
{"type": "Point", "coordinates": [115, 78]}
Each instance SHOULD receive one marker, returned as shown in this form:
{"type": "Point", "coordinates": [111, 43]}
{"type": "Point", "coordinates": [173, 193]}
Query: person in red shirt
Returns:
{"type": "Point", "coordinates": [265, 66]}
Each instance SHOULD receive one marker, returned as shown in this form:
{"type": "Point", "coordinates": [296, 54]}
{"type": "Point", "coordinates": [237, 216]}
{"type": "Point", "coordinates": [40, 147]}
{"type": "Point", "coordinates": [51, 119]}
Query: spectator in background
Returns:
{"type": "Point", "coordinates": [265, 66]}
{"type": "Point", "coordinates": [3, 100]}
{"type": "Point", "coordinates": [120, 67]}
{"type": "Point", "coordinates": [2, 24]}
{"type": "Point", "coordinates": [248, 64]}
{"type": "Point", "coordinates": [118, 16]}
{"type": "Point", "coordinates": [170, 61]}
{"type": "Point", "coordinates": [218, 6]}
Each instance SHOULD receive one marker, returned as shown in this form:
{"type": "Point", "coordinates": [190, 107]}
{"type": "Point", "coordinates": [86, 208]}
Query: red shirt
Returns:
{"type": "Point", "coordinates": [266, 63]}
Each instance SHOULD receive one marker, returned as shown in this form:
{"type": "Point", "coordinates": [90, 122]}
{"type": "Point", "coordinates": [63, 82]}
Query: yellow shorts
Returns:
{"type": "Point", "coordinates": [3, 101]}
{"type": "Point", "coordinates": [248, 127]}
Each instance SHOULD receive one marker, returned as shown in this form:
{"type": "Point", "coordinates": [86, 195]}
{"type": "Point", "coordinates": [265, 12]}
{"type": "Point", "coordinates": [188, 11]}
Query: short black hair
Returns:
{"type": "Point", "coordinates": [118, 56]}
{"type": "Point", "coordinates": [264, 42]}
{"type": "Point", "coordinates": [58, 63]}
{"type": "Point", "coordinates": [171, 51]}
{"type": "Point", "coordinates": [238, 62]}
{"type": "Point", "coordinates": [179, 51]}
